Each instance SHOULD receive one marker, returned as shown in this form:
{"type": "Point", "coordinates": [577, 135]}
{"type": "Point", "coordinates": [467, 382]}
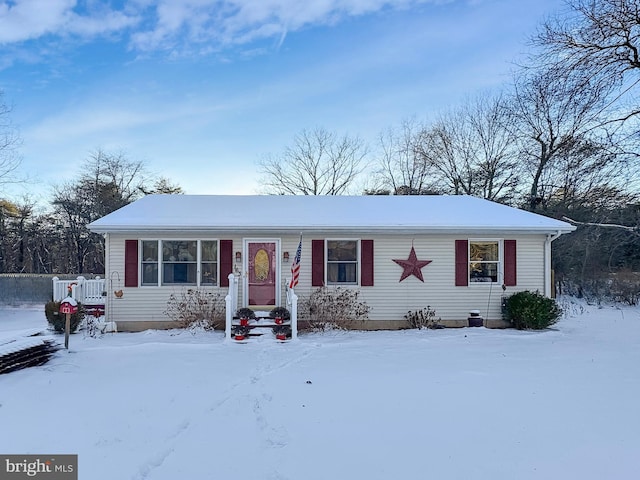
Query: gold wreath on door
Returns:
{"type": "Point", "coordinates": [261, 265]}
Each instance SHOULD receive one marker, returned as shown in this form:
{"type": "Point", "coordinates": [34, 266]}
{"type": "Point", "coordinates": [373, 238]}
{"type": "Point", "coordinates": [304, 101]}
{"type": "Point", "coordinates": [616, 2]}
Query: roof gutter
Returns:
{"type": "Point", "coordinates": [389, 229]}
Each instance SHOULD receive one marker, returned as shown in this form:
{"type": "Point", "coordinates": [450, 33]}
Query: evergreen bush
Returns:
{"type": "Point", "coordinates": [531, 311]}
{"type": "Point", "coordinates": [57, 320]}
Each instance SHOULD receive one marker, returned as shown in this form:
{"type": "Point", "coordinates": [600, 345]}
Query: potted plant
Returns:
{"type": "Point", "coordinates": [279, 315]}
{"type": "Point", "coordinates": [239, 332]}
{"type": "Point", "coordinates": [282, 332]}
{"type": "Point", "coordinates": [245, 314]}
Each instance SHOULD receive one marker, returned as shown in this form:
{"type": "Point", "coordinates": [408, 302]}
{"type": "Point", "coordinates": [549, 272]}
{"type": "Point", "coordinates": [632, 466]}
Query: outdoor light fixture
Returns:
{"type": "Point", "coordinates": [238, 257]}
{"type": "Point", "coordinates": [285, 257]}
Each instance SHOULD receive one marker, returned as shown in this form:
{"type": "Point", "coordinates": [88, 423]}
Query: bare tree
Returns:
{"type": "Point", "coordinates": [319, 163]}
{"type": "Point", "coordinates": [9, 140]}
{"type": "Point", "coordinates": [559, 122]}
{"type": "Point", "coordinates": [8, 211]}
{"type": "Point", "coordinates": [490, 143]}
{"type": "Point", "coordinates": [116, 179]}
{"type": "Point", "coordinates": [471, 150]}
{"type": "Point", "coordinates": [596, 39]}
{"type": "Point", "coordinates": [108, 182]}
{"type": "Point", "coordinates": [402, 170]}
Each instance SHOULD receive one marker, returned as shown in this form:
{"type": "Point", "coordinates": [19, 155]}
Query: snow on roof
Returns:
{"type": "Point", "coordinates": [280, 213]}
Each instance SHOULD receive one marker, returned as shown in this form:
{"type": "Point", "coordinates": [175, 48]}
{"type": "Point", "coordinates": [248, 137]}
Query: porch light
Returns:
{"type": "Point", "coordinates": [238, 257]}
{"type": "Point", "coordinates": [285, 257]}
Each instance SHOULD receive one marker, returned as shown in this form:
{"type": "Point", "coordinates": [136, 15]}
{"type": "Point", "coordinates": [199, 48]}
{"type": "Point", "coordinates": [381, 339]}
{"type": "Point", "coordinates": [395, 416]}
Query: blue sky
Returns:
{"type": "Point", "coordinates": [201, 90]}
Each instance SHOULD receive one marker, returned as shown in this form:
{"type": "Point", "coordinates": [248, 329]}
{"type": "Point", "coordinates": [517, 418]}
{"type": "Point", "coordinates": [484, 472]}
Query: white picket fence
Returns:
{"type": "Point", "coordinates": [87, 292]}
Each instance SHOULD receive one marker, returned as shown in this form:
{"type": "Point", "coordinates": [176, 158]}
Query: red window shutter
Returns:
{"type": "Point", "coordinates": [131, 263]}
{"type": "Point", "coordinates": [510, 273]}
{"type": "Point", "coordinates": [317, 263]}
{"type": "Point", "coordinates": [462, 263]}
{"type": "Point", "coordinates": [366, 263]}
{"type": "Point", "coordinates": [226, 261]}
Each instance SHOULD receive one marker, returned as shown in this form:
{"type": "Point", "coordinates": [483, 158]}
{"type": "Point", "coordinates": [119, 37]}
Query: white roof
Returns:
{"type": "Point", "coordinates": [288, 213]}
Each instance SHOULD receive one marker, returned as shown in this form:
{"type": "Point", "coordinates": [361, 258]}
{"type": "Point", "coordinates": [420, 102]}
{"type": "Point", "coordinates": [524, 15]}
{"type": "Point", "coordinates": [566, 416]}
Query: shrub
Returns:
{"type": "Point", "coordinates": [193, 308]}
{"type": "Point", "coordinates": [425, 318]}
{"type": "Point", "coordinates": [625, 287]}
{"type": "Point", "coordinates": [531, 311]}
{"type": "Point", "coordinates": [336, 307]}
{"type": "Point", "coordinates": [57, 320]}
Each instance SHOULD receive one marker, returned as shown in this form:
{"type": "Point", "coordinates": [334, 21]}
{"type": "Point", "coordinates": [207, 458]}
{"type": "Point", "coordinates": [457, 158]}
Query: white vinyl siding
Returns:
{"type": "Point", "coordinates": [145, 303]}
{"type": "Point", "coordinates": [389, 299]}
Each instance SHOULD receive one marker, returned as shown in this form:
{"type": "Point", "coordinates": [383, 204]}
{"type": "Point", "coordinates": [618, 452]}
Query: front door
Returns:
{"type": "Point", "coordinates": [261, 273]}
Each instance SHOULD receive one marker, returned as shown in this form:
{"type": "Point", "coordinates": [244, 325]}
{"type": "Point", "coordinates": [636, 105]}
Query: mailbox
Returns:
{"type": "Point", "coordinates": [68, 305]}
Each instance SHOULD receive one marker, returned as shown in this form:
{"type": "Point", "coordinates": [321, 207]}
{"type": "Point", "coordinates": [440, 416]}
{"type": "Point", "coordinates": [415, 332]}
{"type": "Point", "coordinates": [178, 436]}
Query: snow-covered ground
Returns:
{"type": "Point", "coordinates": [464, 403]}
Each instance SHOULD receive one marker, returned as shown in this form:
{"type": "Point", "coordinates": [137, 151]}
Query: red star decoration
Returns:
{"type": "Point", "coordinates": [412, 266]}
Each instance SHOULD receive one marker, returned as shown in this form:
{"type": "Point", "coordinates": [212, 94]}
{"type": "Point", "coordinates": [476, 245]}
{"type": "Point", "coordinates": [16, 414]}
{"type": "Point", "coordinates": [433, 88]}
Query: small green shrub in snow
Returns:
{"type": "Point", "coordinates": [531, 311]}
{"type": "Point", "coordinates": [57, 320]}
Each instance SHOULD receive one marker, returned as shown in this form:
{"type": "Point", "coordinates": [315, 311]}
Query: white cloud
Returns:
{"type": "Point", "coordinates": [236, 22]}
{"type": "Point", "coordinates": [22, 20]}
{"type": "Point", "coordinates": [27, 19]}
{"type": "Point", "coordinates": [180, 26]}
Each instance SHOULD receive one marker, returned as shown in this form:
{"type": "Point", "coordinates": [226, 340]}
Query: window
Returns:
{"type": "Point", "coordinates": [179, 262]}
{"type": "Point", "coordinates": [342, 262]}
{"type": "Point", "coordinates": [150, 262]}
{"type": "Point", "coordinates": [484, 261]}
{"type": "Point", "coordinates": [208, 262]}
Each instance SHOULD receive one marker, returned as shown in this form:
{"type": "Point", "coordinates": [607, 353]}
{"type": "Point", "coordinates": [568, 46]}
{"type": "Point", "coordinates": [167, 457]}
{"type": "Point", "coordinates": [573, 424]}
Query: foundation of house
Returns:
{"type": "Point", "coordinates": [139, 326]}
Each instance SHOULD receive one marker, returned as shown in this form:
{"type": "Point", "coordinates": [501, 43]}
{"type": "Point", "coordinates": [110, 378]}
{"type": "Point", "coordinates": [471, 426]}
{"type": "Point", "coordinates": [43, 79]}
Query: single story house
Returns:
{"type": "Point", "coordinates": [403, 253]}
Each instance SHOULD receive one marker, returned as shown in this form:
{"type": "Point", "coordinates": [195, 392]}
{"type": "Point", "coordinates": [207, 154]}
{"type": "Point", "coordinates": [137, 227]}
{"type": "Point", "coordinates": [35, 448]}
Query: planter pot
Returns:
{"type": "Point", "coordinates": [475, 320]}
{"type": "Point", "coordinates": [281, 336]}
{"type": "Point", "coordinates": [244, 322]}
{"type": "Point", "coordinates": [279, 320]}
{"type": "Point", "coordinates": [239, 337]}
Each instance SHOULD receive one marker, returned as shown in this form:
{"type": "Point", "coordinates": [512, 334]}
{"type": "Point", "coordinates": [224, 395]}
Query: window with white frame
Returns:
{"type": "Point", "coordinates": [484, 261]}
{"type": "Point", "coordinates": [179, 262]}
{"type": "Point", "coordinates": [208, 262]}
{"type": "Point", "coordinates": [342, 262]}
{"type": "Point", "coordinates": [150, 262]}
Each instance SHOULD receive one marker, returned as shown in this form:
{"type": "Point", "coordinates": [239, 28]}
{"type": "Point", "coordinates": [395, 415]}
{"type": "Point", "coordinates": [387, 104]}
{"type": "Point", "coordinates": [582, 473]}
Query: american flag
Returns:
{"type": "Point", "coordinates": [295, 266]}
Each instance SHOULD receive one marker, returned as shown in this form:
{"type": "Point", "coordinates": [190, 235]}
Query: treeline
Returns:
{"type": "Point", "coordinates": [58, 241]}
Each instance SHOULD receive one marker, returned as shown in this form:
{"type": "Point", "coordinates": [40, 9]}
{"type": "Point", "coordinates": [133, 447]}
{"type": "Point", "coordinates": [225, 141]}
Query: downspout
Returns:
{"type": "Point", "coordinates": [547, 261]}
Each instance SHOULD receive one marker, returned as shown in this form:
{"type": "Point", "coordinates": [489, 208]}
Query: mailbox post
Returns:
{"type": "Point", "coordinates": [68, 306]}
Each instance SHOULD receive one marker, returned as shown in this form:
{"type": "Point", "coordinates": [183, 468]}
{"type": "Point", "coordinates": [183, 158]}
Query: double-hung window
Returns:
{"type": "Point", "coordinates": [179, 262]}
{"type": "Point", "coordinates": [208, 262]}
{"type": "Point", "coordinates": [342, 262]}
{"type": "Point", "coordinates": [150, 262]}
{"type": "Point", "coordinates": [484, 260]}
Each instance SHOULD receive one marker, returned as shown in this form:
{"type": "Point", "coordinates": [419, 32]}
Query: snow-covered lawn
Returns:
{"type": "Point", "coordinates": [464, 403]}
